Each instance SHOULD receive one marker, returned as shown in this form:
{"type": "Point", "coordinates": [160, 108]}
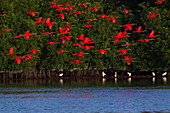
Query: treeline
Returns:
{"type": "Point", "coordinates": [152, 55]}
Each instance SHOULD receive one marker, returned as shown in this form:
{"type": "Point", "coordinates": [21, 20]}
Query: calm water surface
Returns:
{"type": "Point", "coordinates": [85, 95]}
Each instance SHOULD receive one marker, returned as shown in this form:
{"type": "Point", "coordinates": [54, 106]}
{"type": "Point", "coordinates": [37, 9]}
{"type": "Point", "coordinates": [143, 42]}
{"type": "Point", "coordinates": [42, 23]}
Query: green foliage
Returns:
{"type": "Point", "coordinates": [152, 55]}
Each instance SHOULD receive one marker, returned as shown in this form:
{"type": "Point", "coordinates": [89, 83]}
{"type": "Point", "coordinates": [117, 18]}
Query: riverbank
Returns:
{"type": "Point", "coordinates": [65, 73]}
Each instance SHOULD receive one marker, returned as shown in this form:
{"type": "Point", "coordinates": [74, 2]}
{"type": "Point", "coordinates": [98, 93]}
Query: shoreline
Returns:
{"type": "Point", "coordinates": [80, 73]}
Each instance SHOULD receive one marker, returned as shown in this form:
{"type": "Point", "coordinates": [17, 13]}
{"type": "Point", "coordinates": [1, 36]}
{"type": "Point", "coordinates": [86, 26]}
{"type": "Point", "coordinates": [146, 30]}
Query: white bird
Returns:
{"type": "Point", "coordinates": [164, 74]}
{"type": "Point", "coordinates": [130, 74]}
{"type": "Point", "coordinates": [60, 75]}
{"type": "Point", "coordinates": [103, 74]}
{"type": "Point", "coordinates": [153, 73]}
{"type": "Point", "coordinates": [115, 74]}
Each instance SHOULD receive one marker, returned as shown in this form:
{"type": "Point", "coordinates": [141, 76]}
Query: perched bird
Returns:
{"type": "Point", "coordinates": [77, 61]}
{"type": "Point", "coordinates": [123, 51]}
{"type": "Point", "coordinates": [27, 57]}
{"type": "Point", "coordinates": [145, 40]}
{"type": "Point", "coordinates": [94, 9]}
{"type": "Point", "coordinates": [87, 47]}
{"type": "Point", "coordinates": [47, 22]}
{"type": "Point", "coordinates": [69, 25]}
{"type": "Point", "coordinates": [89, 25]}
{"type": "Point", "coordinates": [33, 51]}
{"type": "Point", "coordinates": [32, 13]}
{"type": "Point", "coordinates": [159, 1]}
{"type": "Point", "coordinates": [27, 34]}
{"type": "Point", "coordinates": [113, 19]}
{"type": "Point", "coordinates": [11, 51]}
{"type": "Point", "coordinates": [51, 43]}
{"type": "Point", "coordinates": [128, 26]}
{"type": "Point", "coordinates": [70, 8]}
{"type": "Point", "coordinates": [61, 15]}
{"type": "Point", "coordinates": [152, 14]}
{"type": "Point", "coordinates": [138, 30]}
{"type": "Point", "coordinates": [116, 40]}
{"type": "Point", "coordinates": [77, 12]}
{"type": "Point", "coordinates": [90, 19]}
{"type": "Point", "coordinates": [65, 37]}
{"type": "Point", "coordinates": [102, 16]}
{"type": "Point", "coordinates": [61, 51]}
{"type": "Point", "coordinates": [102, 51]}
{"type": "Point", "coordinates": [84, 4]}
{"type": "Point", "coordinates": [151, 35]}
{"type": "Point", "coordinates": [39, 20]}
{"type": "Point", "coordinates": [126, 11]}
{"type": "Point", "coordinates": [1, 15]}
{"type": "Point", "coordinates": [77, 44]}
{"type": "Point", "coordinates": [17, 59]}
{"type": "Point", "coordinates": [81, 53]}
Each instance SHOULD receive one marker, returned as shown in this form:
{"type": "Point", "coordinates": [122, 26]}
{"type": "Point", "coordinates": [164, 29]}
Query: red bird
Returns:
{"type": "Point", "coordinates": [61, 51]}
{"type": "Point", "coordinates": [117, 40]}
{"type": "Point", "coordinates": [65, 37]}
{"type": "Point", "coordinates": [39, 20]}
{"type": "Point", "coordinates": [145, 40]}
{"type": "Point", "coordinates": [61, 9]}
{"type": "Point", "coordinates": [70, 8]}
{"type": "Point", "coordinates": [77, 61]}
{"type": "Point", "coordinates": [86, 40]}
{"type": "Point", "coordinates": [62, 31]}
{"type": "Point", "coordinates": [81, 37]}
{"type": "Point", "coordinates": [78, 12]}
{"type": "Point", "coordinates": [89, 25]}
{"type": "Point", "coordinates": [120, 35]}
{"type": "Point", "coordinates": [84, 4]}
{"type": "Point", "coordinates": [152, 14]}
{"type": "Point", "coordinates": [94, 9]}
{"type": "Point", "coordinates": [81, 53]}
{"type": "Point", "coordinates": [50, 24]}
{"type": "Point", "coordinates": [128, 60]}
{"type": "Point", "coordinates": [87, 47]}
{"type": "Point", "coordinates": [126, 11]}
{"type": "Point", "coordinates": [128, 26]}
{"type": "Point", "coordinates": [61, 15]}
{"type": "Point", "coordinates": [1, 15]}
{"type": "Point", "coordinates": [33, 51]}
{"type": "Point", "coordinates": [69, 25]}
{"type": "Point", "coordinates": [113, 19]}
{"type": "Point", "coordinates": [11, 52]}
{"type": "Point", "coordinates": [127, 44]}
{"type": "Point", "coordinates": [9, 30]}
{"type": "Point", "coordinates": [32, 13]}
{"type": "Point", "coordinates": [51, 43]}
{"type": "Point", "coordinates": [102, 51]}
{"type": "Point", "coordinates": [27, 57]}
{"type": "Point", "coordinates": [138, 30]}
{"type": "Point", "coordinates": [91, 19]}
{"type": "Point", "coordinates": [77, 44]}
{"type": "Point", "coordinates": [17, 59]}
{"type": "Point", "coordinates": [102, 16]}
{"type": "Point", "coordinates": [27, 34]}
{"type": "Point", "coordinates": [151, 35]}
{"type": "Point", "coordinates": [48, 33]}
{"type": "Point", "coordinates": [41, 35]}
{"type": "Point", "coordinates": [123, 51]}
{"type": "Point", "coordinates": [159, 1]}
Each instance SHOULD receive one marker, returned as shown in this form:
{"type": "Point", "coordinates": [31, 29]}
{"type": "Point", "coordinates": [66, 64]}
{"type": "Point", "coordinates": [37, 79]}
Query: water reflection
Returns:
{"type": "Point", "coordinates": [89, 82]}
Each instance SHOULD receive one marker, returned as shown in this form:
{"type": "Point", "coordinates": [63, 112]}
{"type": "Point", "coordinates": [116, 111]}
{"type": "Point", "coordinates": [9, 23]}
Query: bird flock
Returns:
{"type": "Point", "coordinates": [83, 41]}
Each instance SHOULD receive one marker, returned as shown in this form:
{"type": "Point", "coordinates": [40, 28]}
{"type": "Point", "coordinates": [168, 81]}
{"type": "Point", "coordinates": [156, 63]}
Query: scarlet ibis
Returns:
{"type": "Point", "coordinates": [116, 40]}
{"type": "Point", "coordinates": [126, 11]}
{"type": "Point", "coordinates": [17, 36]}
{"type": "Point", "coordinates": [77, 61]}
{"type": "Point", "coordinates": [81, 37]}
{"type": "Point", "coordinates": [152, 14]}
{"type": "Point", "coordinates": [69, 25]}
{"type": "Point", "coordinates": [84, 4]}
{"type": "Point", "coordinates": [70, 8]}
{"type": "Point", "coordinates": [159, 1]}
{"type": "Point", "coordinates": [51, 43]}
{"type": "Point", "coordinates": [41, 35]}
{"type": "Point", "coordinates": [61, 9]}
{"type": "Point", "coordinates": [113, 19]}
{"type": "Point", "coordinates": [120, 35]}
{"type": "Point", "coordinates": [102, 51]}
{"type": "Point", "coordinates": [65, 37]}
{"type": "Point", "coordinates": [27, 34]}
{"type": "Point", "coordinates": [47, 22]}
{"type": "Point", "coordinates": [89, 25]}
{"type": "Point", "coordinates": [128, 26]}
{"type": "Point", "coordinates": [39, 20]}
{"type": "Point", "coordinates": [27, 57]}
{"type": "Point", "coordinates": [138, 30]}
{"type": "Point", "coordinates": [77, 44]}
{"type": "Point", "coordinates": [145, 40]}
{"type": "Point", "coordinates": [77, 12]}
{"type": "Point", "coordinates": [17, 59]}
{"type": "Point", "coordinates": [102, 16]}
{"type": "Point", "coordinates": [81, 53]}
{"type": "Point", "coordinates": [33, 51]}
{"type": "Point", "coordinates": [87, 47]}
{"type": "Point", "coordinates": [48, 33]}
{"type": "Point", "coordinates": [90, 19]}
{"type": "Point", "coordinates": [94, 9]}
{"type": "Point", "coordinates": [61, 51]}
{"type": "Point", "coordinates": [9, 30]}
{"type": "Point", "coordinates": [123, 51]}
{"type": "Point", "coordinates": [62, 31]}
{"type": "Point", "coordinates": [32, 13]}
{"type": "Point", "coordinates": [127, 44]}
{"type": "Point", "coordinates": [128, 60]}
{"type": "Point", "coordinates": [61, 15]}
{"type": "Point", "coordinates": [1, 15]}
{"type": "Point", "coordinates": [11, 51]}
{"type": "Point", "coordinates": [86, 40]}
{"type": "Point", "coordinates": [151, 35]}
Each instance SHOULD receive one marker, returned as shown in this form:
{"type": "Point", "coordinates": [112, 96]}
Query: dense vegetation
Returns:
{"type": "Point", "coordinates": [152, 55]}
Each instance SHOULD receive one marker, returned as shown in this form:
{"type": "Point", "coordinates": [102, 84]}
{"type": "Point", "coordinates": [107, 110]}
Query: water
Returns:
{"type": "Point", "coordinates": [85, 95]}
